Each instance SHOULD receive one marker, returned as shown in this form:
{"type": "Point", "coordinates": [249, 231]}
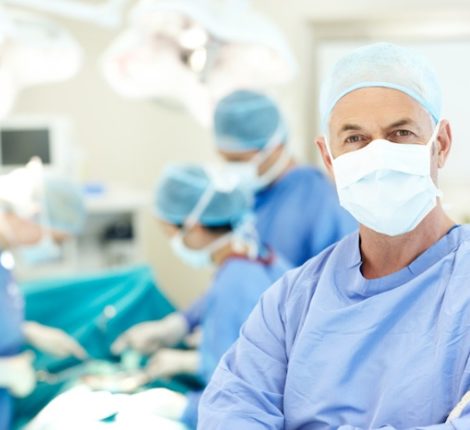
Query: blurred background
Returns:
{"type": "Point", "coordinates": [111, 91]}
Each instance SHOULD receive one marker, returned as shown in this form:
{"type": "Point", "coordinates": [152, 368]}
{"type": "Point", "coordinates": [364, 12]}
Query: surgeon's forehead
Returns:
{"type": "Point", "coordinates": [377, 107]}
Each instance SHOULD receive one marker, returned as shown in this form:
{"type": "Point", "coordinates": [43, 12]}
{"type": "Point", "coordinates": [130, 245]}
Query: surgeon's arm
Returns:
{"type": "Point", "coordinates": [461, 422]}
{"type": "Point", "coordinates": [246, 391]}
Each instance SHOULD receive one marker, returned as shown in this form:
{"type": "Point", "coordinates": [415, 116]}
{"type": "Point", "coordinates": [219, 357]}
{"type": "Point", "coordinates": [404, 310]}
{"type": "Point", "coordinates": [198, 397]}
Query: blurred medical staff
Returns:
{"type": "Point", "coordinates": [34, 239]}
{"type": "Point", "coordinates": [207, 218]}
{"type": "Point", "coordinates": [297, 208]}
{"type": "Point", "coordinates": [374, 332]}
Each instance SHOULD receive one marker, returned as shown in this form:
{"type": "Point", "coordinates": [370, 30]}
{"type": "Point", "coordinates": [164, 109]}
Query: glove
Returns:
{"type": "Point", "coordinates": [53, 341]}
{"type": "Point", "coordinates": [169, 362]}
{"type": "Point", "coordinates": [153, 406]}
{"type": "Point", "coordinates": [17, 374]}
{"type": "Point", "coordinates": [148, 337]}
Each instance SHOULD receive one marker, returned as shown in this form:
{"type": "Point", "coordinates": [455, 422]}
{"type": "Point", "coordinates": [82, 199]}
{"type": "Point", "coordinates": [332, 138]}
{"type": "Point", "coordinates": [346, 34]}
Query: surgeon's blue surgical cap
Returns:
{"type": "Point", "coordinates": [382, 65]}
{"type": "Point", "coordinates": [181, 189]}
{"type": "Point", "coordinates": [63, 205]}
{"type": "Point", "coordinates": [246, 121]}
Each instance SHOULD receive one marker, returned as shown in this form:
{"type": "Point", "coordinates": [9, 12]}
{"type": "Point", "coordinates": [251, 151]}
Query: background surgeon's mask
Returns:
{"type": "Point", "coordinates": [387, 186]}
{"type": "Point", "coordinates": [42, 252]}
{"type": "Point", "coordinates": [247, 171]}
{"type": "Point", "coordinates": [197, 258]}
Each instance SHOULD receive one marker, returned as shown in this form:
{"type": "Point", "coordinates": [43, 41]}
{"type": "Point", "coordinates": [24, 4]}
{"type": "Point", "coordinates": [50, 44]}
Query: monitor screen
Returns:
{"type": "Point", "coordinates": [18, 146]}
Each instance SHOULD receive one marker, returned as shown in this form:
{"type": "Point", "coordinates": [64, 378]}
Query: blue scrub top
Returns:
{"type": "Point", "coordinates": [328, 349]}
{"type": "Point", "coordinates": [299, 215]}
{"type": "Point", "coordinates": [11, 336]}
{"type": "Point", "coordinates": [236, 288]}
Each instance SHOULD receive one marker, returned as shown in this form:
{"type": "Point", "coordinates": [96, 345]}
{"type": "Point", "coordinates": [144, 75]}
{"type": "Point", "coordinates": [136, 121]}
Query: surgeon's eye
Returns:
{"type": "Point", "coordinates": [402, 136]}
{"type": "Point", "coordinates": [356, 138]}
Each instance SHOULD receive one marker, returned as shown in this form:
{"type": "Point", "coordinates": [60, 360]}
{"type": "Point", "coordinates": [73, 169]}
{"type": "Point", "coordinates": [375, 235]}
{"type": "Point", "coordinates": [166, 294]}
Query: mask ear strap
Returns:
{"type": "Point", "coordinates": [328, 148]}
{"type": "Point", "coordinates": [200, 207]}
{"type": "Point", "coordinates": [269, 148]}
{"type": "Point", "coordinates": [275, 170]}
{"type": "Point", "coordinates": [434, 134]}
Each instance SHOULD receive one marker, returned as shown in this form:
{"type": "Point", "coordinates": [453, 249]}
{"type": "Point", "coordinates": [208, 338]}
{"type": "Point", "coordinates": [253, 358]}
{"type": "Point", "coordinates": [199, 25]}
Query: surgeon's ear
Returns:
{"type": "Point", "coordinates": [325, 155]}
{"type": "Point", "coordinates": [443, 143]}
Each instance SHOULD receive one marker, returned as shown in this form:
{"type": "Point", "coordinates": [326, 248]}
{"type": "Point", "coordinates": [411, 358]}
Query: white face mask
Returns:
{"type": "Point", "coordinates": [387, 186]}
{"type": "Point", "coordinates": [247, 171]}
{"type": "Point", "coordinates": [45, 251]}
{"type": "Point", "coordinates": [197, 258]}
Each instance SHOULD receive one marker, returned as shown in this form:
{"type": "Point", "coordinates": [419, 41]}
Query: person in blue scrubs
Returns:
{"type": "Point", "coordinates": [373, 333]}
{"type": "Point", "coordinates": [208, 221]}
{"type": "Point", "coordinates": [297, 208]}
{"type": "Point", "coordinates": [65, 210]}
{"type": "Point", "coordinates": [16, 371]}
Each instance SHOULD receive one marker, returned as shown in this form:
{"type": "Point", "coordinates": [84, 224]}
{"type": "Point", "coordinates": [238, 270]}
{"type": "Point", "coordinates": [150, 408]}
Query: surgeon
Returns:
{"type": "Point", "coordinates": [34, 240]}
{"type": "Point", "coordinates": [297, 209]}
{"type": "Point", "coordinates": [373, 333]}
{"type": "Point", "coordinates": [206, 218]}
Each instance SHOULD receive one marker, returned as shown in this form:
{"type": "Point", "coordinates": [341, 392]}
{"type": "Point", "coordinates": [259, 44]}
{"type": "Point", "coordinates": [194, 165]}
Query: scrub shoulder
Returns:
{"type": "Point", "coordinates": [236, 272]}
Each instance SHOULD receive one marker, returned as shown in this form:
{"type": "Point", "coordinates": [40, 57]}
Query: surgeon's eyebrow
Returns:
{"type": "Point", "coordinates": [349, 127]}
{"type": "Point", "coordinates": [404, 122]}
{"type": "Point", "coordinates": [400, 123]}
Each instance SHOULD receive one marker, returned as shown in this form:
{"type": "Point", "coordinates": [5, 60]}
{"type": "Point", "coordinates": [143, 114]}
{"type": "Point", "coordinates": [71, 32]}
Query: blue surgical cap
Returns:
{"type": "Point", "coordinates": [382, 65]}
{"type": "Point", "coordinates": [180, 190]}
{"type": "Point", "coordinates": [63, 205]}
{"type": "Point", "coordinates": [246, 121]}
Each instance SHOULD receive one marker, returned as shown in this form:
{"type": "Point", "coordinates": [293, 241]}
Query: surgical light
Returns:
{"type": "Point", "coordinates": [196, 51]}
{"type": "Point", "coordinates": [33, 50]}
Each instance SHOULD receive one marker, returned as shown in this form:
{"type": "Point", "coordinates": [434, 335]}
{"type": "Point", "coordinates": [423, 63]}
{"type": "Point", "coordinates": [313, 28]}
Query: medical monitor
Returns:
{"type": "Point", "coordinates": [25, 137]}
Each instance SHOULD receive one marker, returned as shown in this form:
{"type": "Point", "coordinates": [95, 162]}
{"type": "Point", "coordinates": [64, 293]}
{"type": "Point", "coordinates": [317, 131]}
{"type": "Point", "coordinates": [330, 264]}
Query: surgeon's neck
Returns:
{"type": "Point", "coordinates": [383, 255]}
{"type": "Point", "coordinates": [273, 159]}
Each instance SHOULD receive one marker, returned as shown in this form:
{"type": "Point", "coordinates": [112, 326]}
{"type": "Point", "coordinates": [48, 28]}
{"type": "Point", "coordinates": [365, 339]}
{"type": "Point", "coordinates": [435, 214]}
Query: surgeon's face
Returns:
{"type": "Point", "coordinates": [382, 113]}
